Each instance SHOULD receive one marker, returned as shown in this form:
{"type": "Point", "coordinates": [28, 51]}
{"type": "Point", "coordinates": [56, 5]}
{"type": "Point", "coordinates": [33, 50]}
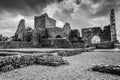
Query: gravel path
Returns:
{"type": "Point", "coordinates": [76, 70]}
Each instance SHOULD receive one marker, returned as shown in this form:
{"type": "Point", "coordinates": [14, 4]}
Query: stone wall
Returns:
{"type": "Point", "coordinates": [39, 21]}
{"type": "Point", "coordinates": [28, 34]}
{"type": "Point", "coordinates": [75, 36]}
{"type": "Point", "coordinates": [106, 34]}
{"type": "Point", "coordinates": [113, 26]}
{"type": "Point", "coordinates": [35, 39]}
{"type": "Point", "coordinates": [19, 34]}
{"type": "Point", "coordinates": [66, 30]}
{"type": "Point", "coordinates": [56, 43]}
{"type": "Point", "coordinates": [57, 32]}
{"type": "Point", "coordinates": [78, 45]}
{"type": "Point", "coordinates": [45, 31]}
{"type": "Point", "coordinates": [54, 32]}
{"type": "Point", "coordinates": [105, 45]}
{"type": "Point", "coordinates": [43, 21]}
{"type": "Point", "coordinates": [49, 22]}
{"type": "Point", "coordinates": [89, 33]}
{"type": "Point", "coordinates": [15, 44]}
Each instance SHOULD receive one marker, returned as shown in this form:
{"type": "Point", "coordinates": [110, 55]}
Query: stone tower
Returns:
{"type": "Point", "coordinates": [113, 26]}
{"type": "Point", "coordinates": [19, 34]}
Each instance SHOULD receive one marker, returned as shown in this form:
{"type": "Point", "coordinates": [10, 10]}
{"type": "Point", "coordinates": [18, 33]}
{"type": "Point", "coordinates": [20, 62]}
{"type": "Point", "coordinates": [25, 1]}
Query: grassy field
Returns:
{"type": "Point", "coordinates": [76, 70]}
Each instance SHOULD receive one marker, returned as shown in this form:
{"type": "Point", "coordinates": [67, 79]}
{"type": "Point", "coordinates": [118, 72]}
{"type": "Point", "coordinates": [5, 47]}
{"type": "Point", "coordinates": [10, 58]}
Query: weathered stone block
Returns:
{"type": "Point", "coordinates": [35, 40]}
{"type": "Point", "coordinates": [20, 30]}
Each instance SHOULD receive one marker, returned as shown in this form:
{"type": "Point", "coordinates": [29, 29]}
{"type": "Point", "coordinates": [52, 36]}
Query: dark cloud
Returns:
{"type": "Point", "coordinates": [67, 8]}
{"type": "Point", "coordinates": [103, 9]}
{"type": "Point", "coordinates": [78, 2]}
{"type": "Point", "coordinates": [107, 6]}
{"type": "Point", "coordinates": [33, 7]}
{"type": "Point", "coordinates": [95, 1]}
{"type": "Point", "coordinates": [25, 7]}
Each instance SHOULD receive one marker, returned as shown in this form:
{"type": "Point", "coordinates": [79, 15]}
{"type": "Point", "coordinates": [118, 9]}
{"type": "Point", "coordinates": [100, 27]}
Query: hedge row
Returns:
{"type": "Point", "coordinates": [110, 69]}
{"type": "Point", "coordinates": [19, 61]}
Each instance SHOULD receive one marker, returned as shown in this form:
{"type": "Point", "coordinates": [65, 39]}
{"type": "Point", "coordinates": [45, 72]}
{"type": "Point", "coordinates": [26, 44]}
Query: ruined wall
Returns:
{"type": "Point", "coordinates": [57, 32]}
{"type": "Point", "coordinates": [43, 21]}
{"type": "Point", "coordinates": [113, 26]}
{"type": "Point", "coordinates": [46, 26]}
{"type": "Point", "coordinates": [19, 34]}
{"type": "Point", "coordinates": [89, 33]}
{"type": "Point", "coordinates": [37, 36]}
{"type": "Point", "coordinates": [66, 30]}
{"type": "Point", "coordinates": [35, 39]}
{"type": "Point", "coordinates": [49, 22]}
{"type": "Point", "coordinates": [28, 34]}
{"type": "Point", "coordinates": [15, 44]}
{"type": "Point", "coordinates": [106, 34]}
{"type": "Point", "coordinates": [39, 21]}
{"type": "Point", "coordinates": [75, 35]}
{"type": "Point", "coordinates": [105, 45]}
{"type": "Point", "coordinates": [56, 43]}
{"type": "Point", "coordinates": [54, 32]}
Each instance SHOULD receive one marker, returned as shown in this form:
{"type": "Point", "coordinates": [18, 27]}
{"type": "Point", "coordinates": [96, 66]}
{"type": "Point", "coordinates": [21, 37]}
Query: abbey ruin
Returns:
{"type": "Point", "coordinates": [97, 35]}
{"type": "Point", "coordinates": [47, 34]}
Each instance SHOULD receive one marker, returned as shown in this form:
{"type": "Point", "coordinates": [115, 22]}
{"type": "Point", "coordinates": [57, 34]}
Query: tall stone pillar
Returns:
{"type": "Point", "coordinates": [35, 40]}
{"type": "Point", "coordinates": [113, 26]}
{"type": "Point", "coordinates": [20, 30]}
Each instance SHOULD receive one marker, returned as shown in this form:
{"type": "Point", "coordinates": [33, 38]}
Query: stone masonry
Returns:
{"type": "Point", "coordinates": [107, 34]}
{"type": "Point", "coordinates": [45, 29]}
{"type": "Point", "coordinates": [113, 26]}
{"type": "Point", "coordinates": [89, 33]}
{"type": "Point", "coordinates": [19, 35]}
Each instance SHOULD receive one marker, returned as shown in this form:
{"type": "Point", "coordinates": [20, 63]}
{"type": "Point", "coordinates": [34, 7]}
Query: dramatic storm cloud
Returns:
{"type": "Point", "coordinates": [24, 7]}
{"type": "Point", "coordinates": [79, 13]}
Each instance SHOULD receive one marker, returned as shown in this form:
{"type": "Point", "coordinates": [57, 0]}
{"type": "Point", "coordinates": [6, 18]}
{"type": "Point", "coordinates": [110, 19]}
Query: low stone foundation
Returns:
{"type": "Point", "coordinates": [78, 45]}
{"type": "Point", "coordinates": [104, 45]}
{"type": "Point", "coordinates": [110, 69]}
{"type": "Point", "coordinates": [19, 61]}
{"type": "Point", "coordinates": [69, 53]}
{"type": "Point", "coordinates": [15, 44]}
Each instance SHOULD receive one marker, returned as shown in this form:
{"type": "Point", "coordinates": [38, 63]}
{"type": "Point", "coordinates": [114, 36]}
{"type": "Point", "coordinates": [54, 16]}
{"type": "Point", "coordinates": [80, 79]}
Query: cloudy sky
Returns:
{"type": "Point", "coordinates": [79, 13]}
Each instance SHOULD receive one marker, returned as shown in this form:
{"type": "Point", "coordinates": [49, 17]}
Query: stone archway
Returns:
{"type": "Point", "coordinates": [96, 39]}
{"type": "Point", "coordinates": [58, 36]}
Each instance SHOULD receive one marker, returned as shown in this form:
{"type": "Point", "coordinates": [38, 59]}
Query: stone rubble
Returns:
{"type": "Point", "coordinates": [19, 61]}
{"type": "Point", "coordinates": [110, 69]}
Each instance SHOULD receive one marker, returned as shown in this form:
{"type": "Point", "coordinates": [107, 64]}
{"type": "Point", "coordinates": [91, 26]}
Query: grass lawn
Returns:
{"type": "Point", "coordinates": [76, 70]}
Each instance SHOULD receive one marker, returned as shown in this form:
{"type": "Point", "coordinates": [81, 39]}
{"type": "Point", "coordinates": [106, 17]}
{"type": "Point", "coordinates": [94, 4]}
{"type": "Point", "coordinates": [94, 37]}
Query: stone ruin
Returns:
{"type": "Point", "coordinates": [19, 35]}
{"type": "Point", "coordinates": [46, 32]}
{"type": "Point", "coordinates": [105, 37]}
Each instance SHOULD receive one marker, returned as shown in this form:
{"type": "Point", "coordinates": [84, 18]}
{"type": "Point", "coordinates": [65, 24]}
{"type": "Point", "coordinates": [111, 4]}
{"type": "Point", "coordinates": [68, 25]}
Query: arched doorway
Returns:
{"type": "Point", "coordinates": [96, 39]}
{"type": "Point", "coordinates": [58, 36]}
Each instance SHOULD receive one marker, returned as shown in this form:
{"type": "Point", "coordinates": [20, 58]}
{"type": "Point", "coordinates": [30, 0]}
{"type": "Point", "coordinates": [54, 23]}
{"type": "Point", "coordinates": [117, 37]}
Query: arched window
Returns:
{"type": "Point", "coordinates": [96, 39]}
{"type": "Point", "coordinates": [58, 36]}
